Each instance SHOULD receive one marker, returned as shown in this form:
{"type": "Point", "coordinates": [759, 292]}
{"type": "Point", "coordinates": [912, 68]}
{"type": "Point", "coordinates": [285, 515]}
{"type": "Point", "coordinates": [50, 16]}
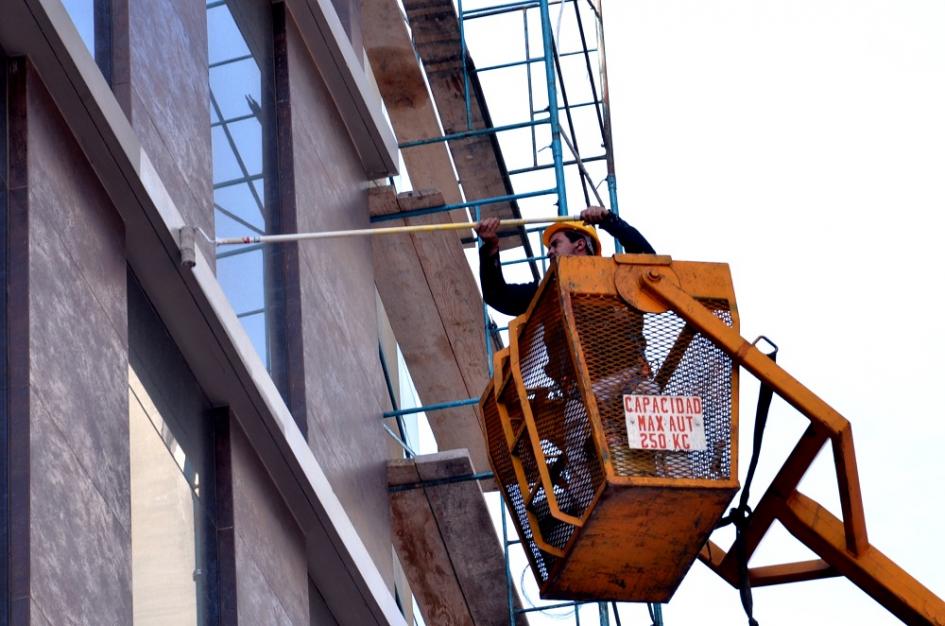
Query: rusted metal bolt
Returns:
{"type": "Point", "coordinates": [654, 276]}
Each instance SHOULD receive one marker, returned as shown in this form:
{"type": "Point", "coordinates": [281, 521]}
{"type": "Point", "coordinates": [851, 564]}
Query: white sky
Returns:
{"type": "Point", "coordinates": [803, 143]}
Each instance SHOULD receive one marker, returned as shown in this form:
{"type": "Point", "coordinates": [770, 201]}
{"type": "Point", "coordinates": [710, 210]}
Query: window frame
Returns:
{"type": "Point", "coordinates": [281, 290]}
{"type": "Point", "coordinates": [245, 183]}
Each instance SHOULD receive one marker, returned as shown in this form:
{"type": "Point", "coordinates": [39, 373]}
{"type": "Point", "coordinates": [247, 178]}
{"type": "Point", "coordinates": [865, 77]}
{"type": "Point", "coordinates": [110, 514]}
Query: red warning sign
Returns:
{"type": "Point", "coordinates": [664, 422]}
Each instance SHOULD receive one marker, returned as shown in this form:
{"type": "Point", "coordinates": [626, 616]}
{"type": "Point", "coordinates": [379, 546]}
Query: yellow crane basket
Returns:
{"type": "Point", "coordinates": [611, 426]}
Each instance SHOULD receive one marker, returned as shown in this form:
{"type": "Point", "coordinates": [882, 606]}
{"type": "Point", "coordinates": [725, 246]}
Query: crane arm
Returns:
{"type": "Point", "coordinates": [842, 544]}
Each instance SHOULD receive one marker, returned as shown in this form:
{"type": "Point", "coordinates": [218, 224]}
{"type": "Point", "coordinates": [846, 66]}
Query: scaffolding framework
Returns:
{"type": "Point", "coordinates": [558, 150]}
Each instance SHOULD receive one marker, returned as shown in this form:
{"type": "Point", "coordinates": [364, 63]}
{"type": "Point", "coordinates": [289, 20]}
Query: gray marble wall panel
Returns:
{"type": "Point", "coordinates": [344, 383]}
{"type": "Point", "coordinates": [79, 522]}
{"type": "Point", "coordinates": [271, 566]}
{"type": "Point", "coordinates": [169, 98]}
{"type": "Point", "coordinates": [81, 566]}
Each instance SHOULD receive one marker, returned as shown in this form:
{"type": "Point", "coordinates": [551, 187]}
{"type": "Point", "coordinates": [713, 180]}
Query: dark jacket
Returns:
{"type": "Point", "coordinates": [513, 299]}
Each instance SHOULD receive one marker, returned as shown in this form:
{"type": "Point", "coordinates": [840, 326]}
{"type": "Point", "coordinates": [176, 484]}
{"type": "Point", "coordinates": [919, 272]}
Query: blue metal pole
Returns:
{"type": "Point", "coordinates": [489, 355]}
{"type": "Point", "coordinates": [548, 41]}
{"type": "Point", "coordinates": [400, 441]}
{"type": "Point", "coordinates": [528, 61]}
{"type": "Point", "coordinates": [549, 607]}
{"type": "Point", "coordinates": [528, 260]}
{"type": "Point", "coordinates": [499, 9]}
{"type": "Point", "coordinates": [462, 51]}
{"type": "Point", "coordinates": [461, 205]}
{"type": "Point", "coordinates": [471, 133]}
{"type": "Point", "coordinates": [432, 407]}
{"type": "Point", "coordinates": [393, 402]}
{"type": "Point", "coordinates": [531, 98]}
{"type": "Point", "coordinates": [658, 614]}
{"type": "Point", "coordinates": [433, 482]}
{"type": "Point", "coordinates": [604, 614]}
{"type": "Point", "coordinates": [612, 190]}
{"type": "Point", "coordinates": [486, 322]}
{"type": "Point", "coordinates": [508, 8]}
{"type": "Point", "coordinates": [508, 568]}
{"type": "Point", "coordinates": [526, 170]}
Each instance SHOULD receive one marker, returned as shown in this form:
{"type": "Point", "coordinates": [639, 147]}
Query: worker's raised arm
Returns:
{"type": "Point", "coordinates": [630, 238]}
{"type": "Point", "coordinates": [509, 299]}
{"type": "Point", "coordinates": [488, 231]}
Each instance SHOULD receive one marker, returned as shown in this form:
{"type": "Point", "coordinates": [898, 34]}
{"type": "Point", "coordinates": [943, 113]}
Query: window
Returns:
{"type": "Point", "coordinates": [174, 560]}
{"type": "Point", "coordinates": [411, 430]}
{"type": "Point", "coordinates": [164, 489]}
{"type": "Point", "coordinates": [242, 127]}
{"type": "Point", "coordinates": [92, 18]}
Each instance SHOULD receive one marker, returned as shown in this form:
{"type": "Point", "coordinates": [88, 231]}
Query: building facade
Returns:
{"type": "Point", "coordinates": [191, 444]}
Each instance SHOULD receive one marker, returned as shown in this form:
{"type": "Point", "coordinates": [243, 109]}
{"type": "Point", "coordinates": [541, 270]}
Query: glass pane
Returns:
{"type": "Point", "coordinates": [239, 153]}
{"type": "Point", "coordinates": [228, 226]}
{"type": "Point", "coordinates": [232, 83]}
{"type": "Point", "coordinates": [227, 41]}
{"type": "Point", "coordinates": [225, 165]}
{"type": "Point", "coordinates": [247, 135]}
{"type": "Point", "coordinates": [163, 530]}
{"type": "Point", "coordinates": [242, 203]}
{"type": "Point", "coordinates": [260, 186]}
{"type": "Point", "coordinates": [241, 276]}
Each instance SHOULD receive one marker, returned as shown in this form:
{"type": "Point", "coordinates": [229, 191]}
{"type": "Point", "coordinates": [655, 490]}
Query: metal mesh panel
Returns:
{"type": "Point", "coordinates": [495, 439]}
{"type": "Point", "coordinates": [502, 465]}
{"type": "Point", "coordinates": [627, 351]}
{"type": "Point", "coordinates": [560, 416]}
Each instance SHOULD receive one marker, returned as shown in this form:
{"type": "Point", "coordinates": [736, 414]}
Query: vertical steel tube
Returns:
{"type": "Point", "coordinates": [508, 568]}
{"type": "Point", "coordinates": [612, 190]}
{"type": "Point", "coordinates": [401, 428]}
{"type": "Point", "coordinates": [587, 62]}
{"type": "Point", "coordinates": [657, 614]}
{"type": "Point", "coordinates": [462, 52]}
{"type": "Point", "coordinates": [604, 614]}
{"type": "Point", "coordinates": [570, 119]}
{"type": "Point", "coordinates": [548, 42]}
{"type": "Point", "coordinates": [528, 74]}
{"type": "Point", "coordinates": [605, 105]}
{"type": "Point", "coordinates": [486, 322]}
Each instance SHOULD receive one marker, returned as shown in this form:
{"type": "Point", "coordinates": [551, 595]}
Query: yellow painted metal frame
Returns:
{"type": "Point", "coordinates": [596, 277]}
{"type": "Point", "coordinates": [842, 544]}
{"type": "Point", "coordinates": [655, 284]}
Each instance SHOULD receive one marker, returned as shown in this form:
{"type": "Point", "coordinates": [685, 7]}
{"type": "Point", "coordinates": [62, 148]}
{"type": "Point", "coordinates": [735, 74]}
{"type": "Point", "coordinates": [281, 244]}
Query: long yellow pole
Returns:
{"type": "Point", "coordinates": [393, 230]}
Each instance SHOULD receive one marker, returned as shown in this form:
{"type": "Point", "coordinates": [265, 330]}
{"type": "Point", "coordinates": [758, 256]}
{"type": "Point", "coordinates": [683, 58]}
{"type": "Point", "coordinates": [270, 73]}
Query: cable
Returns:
{"type": "Point", "coordinates": [740, 516]}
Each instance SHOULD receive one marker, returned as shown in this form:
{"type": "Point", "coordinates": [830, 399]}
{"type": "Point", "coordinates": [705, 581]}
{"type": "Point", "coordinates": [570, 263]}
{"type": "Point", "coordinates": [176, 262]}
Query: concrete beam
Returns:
{"type": "Point", "coordinates": [444, 537]}
{"type": "Point", "coordinates": [435, 310]}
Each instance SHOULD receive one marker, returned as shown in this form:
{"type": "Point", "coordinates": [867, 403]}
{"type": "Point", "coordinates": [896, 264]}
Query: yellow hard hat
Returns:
{"type": "Point", "coordinates": [581, 227]}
